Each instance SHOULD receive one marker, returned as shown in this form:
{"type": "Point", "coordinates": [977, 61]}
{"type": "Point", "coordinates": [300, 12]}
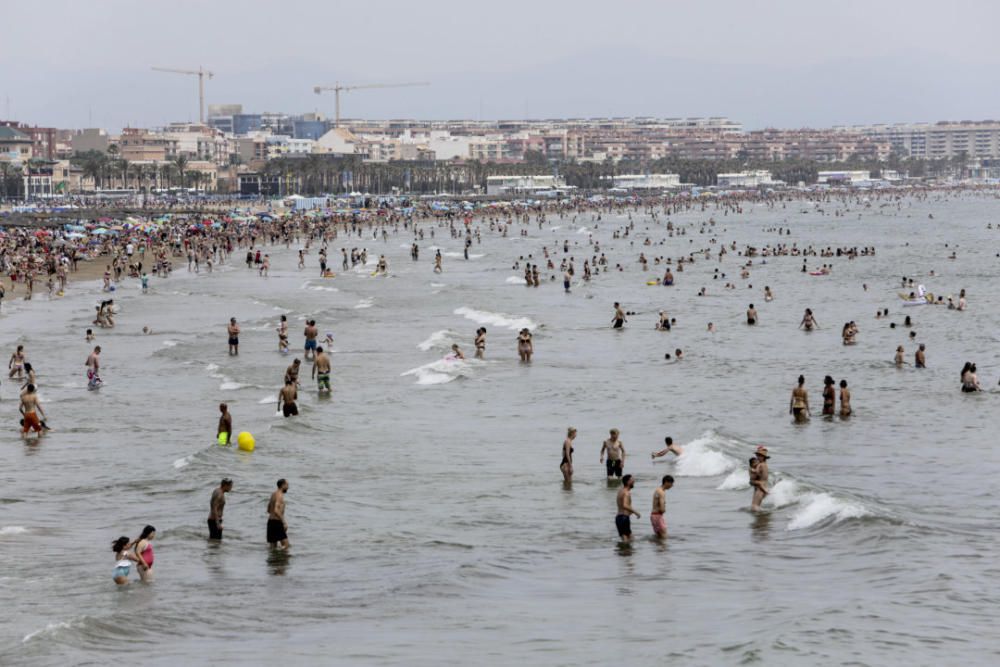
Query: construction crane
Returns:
{"type": "Point", "coordinates": [337, 89]}
{"type": "Point", "coordinates": [201, 73]}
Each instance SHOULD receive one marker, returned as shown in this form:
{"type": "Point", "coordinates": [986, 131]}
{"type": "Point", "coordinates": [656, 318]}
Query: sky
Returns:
{"type": "Point", "coordinates": [765, 63]}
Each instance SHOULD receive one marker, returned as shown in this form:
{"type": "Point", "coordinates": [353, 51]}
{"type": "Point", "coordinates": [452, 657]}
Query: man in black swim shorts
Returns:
{"type": "Point", "coordinates": [623, 521]}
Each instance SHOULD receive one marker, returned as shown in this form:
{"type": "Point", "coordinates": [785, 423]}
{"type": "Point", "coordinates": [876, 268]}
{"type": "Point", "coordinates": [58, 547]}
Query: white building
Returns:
{"type": "Point", "coordinates": [843, 177]}
{"type": "Point", "coordinates": [647, 181]}
{"type": "Point", "coordinates": [339, 141]}
{"type": "Point", "coordinates": [499, 185]}
{"type": "Point", "coordinates": [745, 179]}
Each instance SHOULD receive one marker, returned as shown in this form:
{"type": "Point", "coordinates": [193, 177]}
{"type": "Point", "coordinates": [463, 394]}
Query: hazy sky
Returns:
{"type": "Point", "coordinates": [78, 63]}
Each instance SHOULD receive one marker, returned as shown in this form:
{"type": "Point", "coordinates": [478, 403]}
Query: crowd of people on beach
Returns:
{"type": "Point", "coordinates": [202, 243]}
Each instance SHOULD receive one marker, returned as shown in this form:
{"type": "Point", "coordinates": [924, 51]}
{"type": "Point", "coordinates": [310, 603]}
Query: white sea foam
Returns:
{"type": "Point", "coordinates": [439, 339]}
{"type": "Point", "coordinates": [458, 255]}
{"type": "Point", "coordinates": [12, 530]}
{"type": "Point", "coordinates": [437, 284]}
{"type": "Point", "coordinates": [785, 492]}
{"type": "Point", "coordinates": [812, 506]}
{"type": "Point", "coordinates": [516, 280]}
{"type": "Point", "coordinates": [496, 319]}
{"type": "Point", "coordinates": [51, 627]}
{"type": "Point", "coordinates": [737, 480]}
{"type": "Point", "coordinates": [438, 372]}
{"type": "Point", "coordinates": [230, 385]}
{"type": "Point", "coordinates": [320, 288]}
{"type": "Point", "coordinates": [268, 399]}
{"type": "Point", "coordinates": [364, 303]}
{"type": "Point", "coordinates": [183, 462]}
{"type": "Point", "coordinates": [818, 507]}
{"type": "Point", "coordinates": [698, 460]}
{"type": "Point", "coordinates": [170, 343]}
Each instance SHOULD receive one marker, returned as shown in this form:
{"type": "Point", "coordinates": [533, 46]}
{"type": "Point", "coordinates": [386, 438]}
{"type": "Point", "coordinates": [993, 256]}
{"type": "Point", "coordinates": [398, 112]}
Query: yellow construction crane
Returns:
{"type": "Point", "coordinates": [337, 89]}
{"type": "Point", "coordinates": [201, 73]}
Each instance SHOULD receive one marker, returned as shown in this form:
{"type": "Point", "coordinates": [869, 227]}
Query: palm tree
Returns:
{"type": "Point", "coordinates": [180, 164]}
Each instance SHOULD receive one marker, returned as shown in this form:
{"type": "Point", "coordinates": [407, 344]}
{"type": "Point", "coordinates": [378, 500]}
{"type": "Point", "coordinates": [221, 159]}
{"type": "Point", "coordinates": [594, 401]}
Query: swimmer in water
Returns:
{"type": "Point", "coordinates": [456, 352]}
{"type": "Point", "coordinates": [751, 315]}
{"type": "Point", "coordinates": [670, 447]}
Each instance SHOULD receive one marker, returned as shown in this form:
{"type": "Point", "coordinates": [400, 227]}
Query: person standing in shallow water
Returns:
{"type": "Point", "coordinates": [623, 519]}
{"type": "Point", "coordinates": [799, 404]}
{"type": "Point", "coordinates": [216, 507]}
{"type": "Point", "coordinates": [829, 397]}
{"type": "Point", "coordinates": [277, 527]}
{"type": "Point", "coordinates": [566, 466]}
{"type": "Point", "coordinates": [808, 321]}
{"type": "Point", "coordinates": [758, 478]}
{"type": "Point", "coordinates": [845, 399]}
{"type": "Point", "coordinates": [657, 515]}
{"type": "Point", "coordinates": [234, 336]}
{"type": "Point", "coordinates": [615, 450]}
{"type": "Point", "coordinates": [525, 346]}
{"type": "Point", "coordinates": [618, 320]}
{"type": "Point", "coordinates": [480, 342]}
{"type": "Point", "coordinates": [225, 424]}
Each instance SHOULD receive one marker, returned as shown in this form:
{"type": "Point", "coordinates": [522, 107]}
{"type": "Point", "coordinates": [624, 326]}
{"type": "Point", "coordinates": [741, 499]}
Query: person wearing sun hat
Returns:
{"type": "Point", "coordinates": [758, 478]}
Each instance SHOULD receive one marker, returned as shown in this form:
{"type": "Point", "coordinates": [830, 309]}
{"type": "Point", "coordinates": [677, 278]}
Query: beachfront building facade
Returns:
{"type": "Point", "coordinates": [850, 177]}
{"type": "Point", "coordinates": [647, 181]}
{"type": "Point", "coordinates": [745, 179]}
{"type": "Point", "coordinates": [502, 185]}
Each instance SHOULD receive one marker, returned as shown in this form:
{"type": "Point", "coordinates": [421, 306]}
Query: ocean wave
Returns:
{"type": "Point", "coordinates": [12, 530]}
{"type": "Point", "coordinates": [439, 372]}
{"type": "Point", "coordinates": [516, 280]}
{"type": "Point", "coordinates": [170, 343]}
{"type": "Point", "coordinates": [819, 507]}
{"type": "Point", "coordinates": [439, 339]}
{"type": "Point", "coordinates": [365, 303]}
{"type": "Point", "coordinates": [496, 319]}
{"type": "Point", "coordinates": [459, 255]}
{"type": "Point", "coordinates": [183, 462]}
{"type": "Point", "coordinates": [230, 385]}
{"type": "Point", "coordinates": [809, 506]}
{"type": "Point", "coordinates": [700, 460]}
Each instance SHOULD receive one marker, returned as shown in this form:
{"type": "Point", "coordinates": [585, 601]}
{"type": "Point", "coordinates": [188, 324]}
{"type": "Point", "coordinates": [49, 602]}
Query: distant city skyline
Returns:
{"type": "Point", "coordinates": [772, 64]}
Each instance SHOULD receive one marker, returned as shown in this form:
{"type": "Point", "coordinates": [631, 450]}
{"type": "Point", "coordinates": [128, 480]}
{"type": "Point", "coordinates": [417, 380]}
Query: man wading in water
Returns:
{"type": "Point", "coordinates": [616, 455]}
